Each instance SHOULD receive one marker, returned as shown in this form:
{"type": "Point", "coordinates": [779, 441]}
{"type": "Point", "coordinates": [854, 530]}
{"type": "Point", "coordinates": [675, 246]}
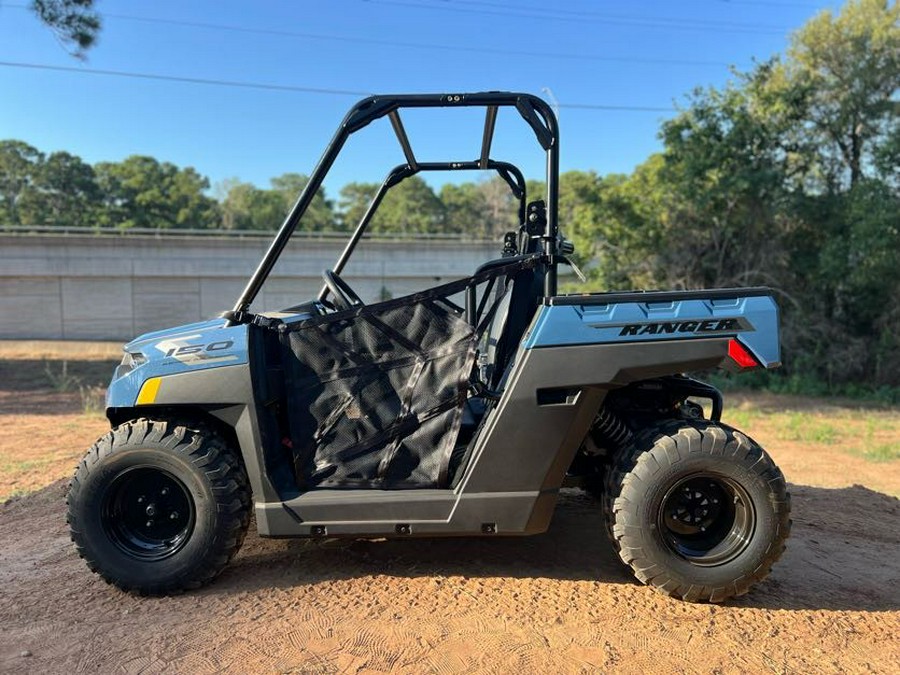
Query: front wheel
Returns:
{"type": "Point", "coordinates": [698, 510]}
{"type": "Point", "coordinates": [157, 507]}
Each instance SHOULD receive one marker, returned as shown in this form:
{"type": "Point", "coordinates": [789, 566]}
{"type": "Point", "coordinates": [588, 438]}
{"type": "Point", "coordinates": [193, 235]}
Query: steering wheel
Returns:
{"type": "Point", "coordinates": [343, 297]}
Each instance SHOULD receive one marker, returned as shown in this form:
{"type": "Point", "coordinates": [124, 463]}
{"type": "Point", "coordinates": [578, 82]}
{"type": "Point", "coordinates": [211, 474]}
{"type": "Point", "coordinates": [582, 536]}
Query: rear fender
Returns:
{"type": "Point", "coordinates": [579, 348]}
{"type": "Point", "coordinates": [748, 315]}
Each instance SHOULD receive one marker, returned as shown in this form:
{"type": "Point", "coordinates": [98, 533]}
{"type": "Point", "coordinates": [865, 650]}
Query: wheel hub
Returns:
{"type": "Point", "coordinates": [148, 513]}
{"type": "Point", "coordinates": [707, 519]}
{"type": "Point", "coordinates": [695, 507]}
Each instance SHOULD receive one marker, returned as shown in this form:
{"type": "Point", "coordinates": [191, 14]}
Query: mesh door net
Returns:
{"type": "Point", "coordinates": [375, 394]}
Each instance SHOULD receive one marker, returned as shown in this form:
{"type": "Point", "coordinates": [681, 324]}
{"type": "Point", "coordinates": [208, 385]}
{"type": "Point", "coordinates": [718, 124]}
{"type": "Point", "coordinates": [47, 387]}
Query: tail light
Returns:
{"type": "Point", "coordinates": [739, 354]}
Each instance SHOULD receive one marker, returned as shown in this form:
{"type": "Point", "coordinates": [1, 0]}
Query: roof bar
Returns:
{"type": "Point", "coordinates": [404, 139]}
{"type": "Point", "coordinates": [490, 119]}
{"type": "Point", "coordinates": [508, 172]}
{"type": "Point", "coordinates": [535, 111]}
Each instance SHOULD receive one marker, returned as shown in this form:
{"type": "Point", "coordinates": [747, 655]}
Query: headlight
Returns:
{"type": "Point", "coordinates": [135, 359]}
{"type": "Point", "coordinates": [130, 361]}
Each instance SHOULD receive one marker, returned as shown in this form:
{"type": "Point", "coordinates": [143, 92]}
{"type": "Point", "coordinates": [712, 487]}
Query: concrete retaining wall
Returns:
{"type": "Point", "coordinates": [115, 287]}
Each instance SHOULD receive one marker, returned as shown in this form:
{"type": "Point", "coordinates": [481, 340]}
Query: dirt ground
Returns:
{"type": "Point", "coordinates": [558, 602]}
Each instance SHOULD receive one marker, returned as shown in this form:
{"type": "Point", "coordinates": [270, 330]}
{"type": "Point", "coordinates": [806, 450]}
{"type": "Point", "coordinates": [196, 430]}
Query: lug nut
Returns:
{"type": "Point", "coordinates": [173, 515]}
{"type": "Point", "coordinates": [140, 500]}
{"type": "Point", "coordinates": [151, 510]}
{"type": "Point", "coordinates": [164, 492]}
{"type": "Point", "coordinates": [149, 523]}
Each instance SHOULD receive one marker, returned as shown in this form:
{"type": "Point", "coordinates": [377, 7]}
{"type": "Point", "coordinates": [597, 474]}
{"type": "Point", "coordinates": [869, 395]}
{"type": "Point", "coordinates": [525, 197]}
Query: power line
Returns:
{"type": "Point", "coordinates": [277, 87]}
{"type": "Point", "coordinates": [629, 108]}
{"type": "Point", "coordinates": [672, 24]}
{"type": "Point", "coordinates": [604, 16]}
{"type": "Point", "coordinates": [519, 6]}
{"type": "Point", "coordinates": [765, 3]}
{"type": "Point", "coordinates": [408, 45]}
{"type": "Point", "coordinates": [187, 80]}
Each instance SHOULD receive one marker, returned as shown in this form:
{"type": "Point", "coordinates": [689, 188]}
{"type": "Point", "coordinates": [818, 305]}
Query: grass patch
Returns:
{"type": "Point", "coordinates": [777, 382]}
{"type": "Point", "coordinates": [870, 434]}
{"type": "Point", "coordinates": [741, 418]}
{"type": "Point", "coordinates": [93, 400]}
{"type": "Point", "coordinates": [884, 452]}
{"type": "Point", "coordinates": [23, 465]}
{"type": "Point", "coordinates": [805, 428]}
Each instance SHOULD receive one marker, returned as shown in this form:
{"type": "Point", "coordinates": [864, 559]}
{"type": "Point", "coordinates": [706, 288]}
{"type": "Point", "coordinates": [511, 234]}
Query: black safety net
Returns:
{"type": "Point", "coordinates": [375, 394]}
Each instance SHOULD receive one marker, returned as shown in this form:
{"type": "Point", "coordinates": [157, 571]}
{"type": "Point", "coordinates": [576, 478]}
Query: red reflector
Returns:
{"type": "Point", "coordinates": [740, 355]}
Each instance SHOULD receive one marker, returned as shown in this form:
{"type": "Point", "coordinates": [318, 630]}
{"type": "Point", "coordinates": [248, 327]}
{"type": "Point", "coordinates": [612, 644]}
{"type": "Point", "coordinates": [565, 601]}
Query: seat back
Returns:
{"type": "Point", "coordinates": [511, 319]}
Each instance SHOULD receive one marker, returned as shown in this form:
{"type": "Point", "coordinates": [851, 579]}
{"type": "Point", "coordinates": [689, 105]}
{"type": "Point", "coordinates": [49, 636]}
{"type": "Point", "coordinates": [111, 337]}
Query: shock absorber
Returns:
{"type": "Point", "coordinates": [610, 431]}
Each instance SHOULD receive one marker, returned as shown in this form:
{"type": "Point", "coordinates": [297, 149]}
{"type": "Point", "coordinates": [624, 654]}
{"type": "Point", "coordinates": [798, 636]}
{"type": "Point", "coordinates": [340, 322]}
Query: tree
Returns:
{"type": "Point", "coordinates": [63, 193]}
{"type": "Point", "coordinates": [142, 192]}
{"type": "Point", "coordinates": [353, 202]}
{"type": "Point", "coordinates": [74, 23]}
{"type": "Point", "coordinates": [848, 67]}
{"type": "Point", "coordinates": [247, 207]}
{"type": "Point", "coordinates": [19, 164]}
{"type": "Point", "coordinates": [319, 215]}
{"type": "Point", "coordinates": [465, 208]}
{"type": "Point", "coordinates": [501, 208]}
{"type": "Point", "coordinates": [724, 176]}
{"type": "Point", "coordinates": [410, 207]}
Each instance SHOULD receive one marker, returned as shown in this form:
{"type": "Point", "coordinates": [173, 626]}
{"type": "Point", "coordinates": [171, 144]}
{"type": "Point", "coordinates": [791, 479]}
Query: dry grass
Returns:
{"type": "Point", "coordinates": [51, 409]}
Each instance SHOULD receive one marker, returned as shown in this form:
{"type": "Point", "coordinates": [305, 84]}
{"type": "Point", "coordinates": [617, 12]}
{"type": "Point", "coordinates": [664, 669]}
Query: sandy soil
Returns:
{"type": "Point", "coordinates": [558, 602]}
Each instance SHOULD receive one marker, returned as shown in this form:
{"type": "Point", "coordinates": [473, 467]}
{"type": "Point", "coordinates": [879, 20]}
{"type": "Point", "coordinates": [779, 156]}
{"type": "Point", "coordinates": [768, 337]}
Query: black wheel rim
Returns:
{"type": "Point", "coordinates": [148, 513]}
{"type": "Point", "coordinates": [707, 519]}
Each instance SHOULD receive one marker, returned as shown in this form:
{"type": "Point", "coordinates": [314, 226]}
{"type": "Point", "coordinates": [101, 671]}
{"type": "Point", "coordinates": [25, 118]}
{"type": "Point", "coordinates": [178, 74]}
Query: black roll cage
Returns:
{"type": "Point", "coordinates": [534, 111]}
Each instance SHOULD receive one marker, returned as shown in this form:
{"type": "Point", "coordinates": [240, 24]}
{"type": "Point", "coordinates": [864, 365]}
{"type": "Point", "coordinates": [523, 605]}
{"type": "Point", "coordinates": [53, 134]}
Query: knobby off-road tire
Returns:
{"type": "Point", "coordinates": [158, 507]}
{"type": "Point", "coordinates": [697, 510]}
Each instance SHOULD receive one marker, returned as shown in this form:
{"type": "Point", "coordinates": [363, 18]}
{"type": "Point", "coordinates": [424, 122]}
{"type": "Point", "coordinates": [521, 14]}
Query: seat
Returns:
{"type": "Point", "coordinates": [511, 319]}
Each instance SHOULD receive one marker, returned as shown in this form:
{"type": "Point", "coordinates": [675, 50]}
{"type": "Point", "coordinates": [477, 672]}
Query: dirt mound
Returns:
{"type": "Point", "coordinates": [558, 602]}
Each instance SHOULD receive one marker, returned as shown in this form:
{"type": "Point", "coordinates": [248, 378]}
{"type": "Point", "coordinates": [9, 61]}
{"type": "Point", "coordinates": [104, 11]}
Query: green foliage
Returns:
{"type": "Point", "coordinates": [143, 192]}
{"type": "Point", "coordinates": [804, 384]}
{"type": "Point", "coordinates": [465, 207]}
{"type": "Point", "coordinates": [73, 22]}
{"type": "Point", "coordinates": [63, 190]}
{"type": "Point", "coordinates": [848, 68]}
{"type": "Point", "coordinates": [883, 452]}
{"type": "Point", "coordinates": [320, 216]}
{"type": "Point", "coordinates": [409, 207]}
{"type": "Point", "coordinates": [354, 201]}
{"type": "Point", "coordinates": [247, 207]}
{"type": "Point", "coordinates": [807, 429]}
{"type": "Point", "coordinates": [19, 164]}
{"type": "Point", "coordinates": [61, 380]}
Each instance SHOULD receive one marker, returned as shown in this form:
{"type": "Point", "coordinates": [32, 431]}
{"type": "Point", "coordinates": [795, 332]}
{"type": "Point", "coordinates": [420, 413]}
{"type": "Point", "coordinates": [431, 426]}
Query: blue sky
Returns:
{"type": "Point", "coordinates": [642, 53]}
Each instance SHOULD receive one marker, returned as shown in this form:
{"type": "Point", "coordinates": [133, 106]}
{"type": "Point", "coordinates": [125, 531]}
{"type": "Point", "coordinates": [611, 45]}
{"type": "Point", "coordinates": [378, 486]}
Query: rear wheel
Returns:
{"type": "Point", "coordinates": [698, 510]}
{"type": "Point", "coordinates": [157, 507]}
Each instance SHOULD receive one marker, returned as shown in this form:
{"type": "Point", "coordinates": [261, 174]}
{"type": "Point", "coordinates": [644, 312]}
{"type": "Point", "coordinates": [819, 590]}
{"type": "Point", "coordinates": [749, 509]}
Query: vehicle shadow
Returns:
{"type": "Point", "coordinates": [574, 548]}
{"type": "Point", "coordinates": [842, 555]}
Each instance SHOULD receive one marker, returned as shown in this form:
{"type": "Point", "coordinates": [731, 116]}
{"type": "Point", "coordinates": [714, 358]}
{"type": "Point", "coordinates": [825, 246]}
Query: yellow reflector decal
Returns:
{"type": "Point", "coordinates": [149, 391]}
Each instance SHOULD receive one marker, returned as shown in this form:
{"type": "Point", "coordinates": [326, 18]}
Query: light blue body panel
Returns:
{"type": "Point", "coordinates": [190, 348]}
{"type": "Point", "coordinates": [753, 320]}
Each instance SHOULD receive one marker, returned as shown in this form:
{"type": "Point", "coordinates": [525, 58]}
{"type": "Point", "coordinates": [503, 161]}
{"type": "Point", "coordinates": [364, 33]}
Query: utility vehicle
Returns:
{"type": "Point", "coordinates": [462, 409]}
